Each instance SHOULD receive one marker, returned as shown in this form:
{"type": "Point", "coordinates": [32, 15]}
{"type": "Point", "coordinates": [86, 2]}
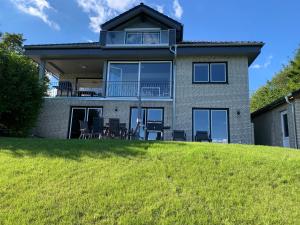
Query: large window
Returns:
{"type": "Point", "coordinates": [213, 121]}
{"type": "Point", "coordinates": [147, 79]}
{"type": "Point", "coordinates": [147, 115]}
{"type": "Point", "coordinates": [139, 38]}
{"type": "Point", "coordinates": [210, 72]}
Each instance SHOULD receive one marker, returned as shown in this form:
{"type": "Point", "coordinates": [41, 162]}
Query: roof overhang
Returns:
{"type": "Point", "coordinates": [92, 51]}
{"type": "Point", "coordinates": [279, 102]}
{"type": "Point", "coordinates": [251, 51]}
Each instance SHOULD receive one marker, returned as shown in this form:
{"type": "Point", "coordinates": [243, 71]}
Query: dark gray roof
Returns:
{"type": "Point", "coordinates": [140, 6]}
{"type": "Point", "coordinates": [275, 104]}
{"type": "Point", "coordinates": [65, 45]}
{"type": "Point", "coordinates": [219, 43]}
{"type": "Point", "coordinates": [180, 44]}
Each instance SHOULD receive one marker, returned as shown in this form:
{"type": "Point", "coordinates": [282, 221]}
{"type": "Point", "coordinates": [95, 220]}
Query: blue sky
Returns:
{"type": "Point", "coordinates": [274, 22]}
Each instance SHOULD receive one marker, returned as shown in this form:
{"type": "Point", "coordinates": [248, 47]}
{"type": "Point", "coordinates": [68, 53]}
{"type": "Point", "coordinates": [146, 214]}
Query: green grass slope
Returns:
{"type": "Point", "coordinates": [122, 182]}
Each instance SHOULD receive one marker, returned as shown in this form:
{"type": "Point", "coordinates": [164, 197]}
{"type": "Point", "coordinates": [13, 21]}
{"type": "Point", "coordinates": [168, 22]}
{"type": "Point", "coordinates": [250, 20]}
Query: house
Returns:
{"type": "Point", "coordinates": [278, 124]}
{"type": "Point", "coordinates": [142, 61]}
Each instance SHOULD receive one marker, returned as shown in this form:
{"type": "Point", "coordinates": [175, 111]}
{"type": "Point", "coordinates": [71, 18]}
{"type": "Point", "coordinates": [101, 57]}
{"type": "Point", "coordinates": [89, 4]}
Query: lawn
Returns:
{"type": "Point", "coordinates": [122, 182]}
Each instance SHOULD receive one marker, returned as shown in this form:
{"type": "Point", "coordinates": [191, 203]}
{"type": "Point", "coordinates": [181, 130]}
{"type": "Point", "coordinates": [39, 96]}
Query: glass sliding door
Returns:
{"type": "Point", "coordinates": [134, 120]}
{"type": "Point", "coordinates": [148, 115]}
{"type": "Point", "coordinates": [155, 79]}
{"type": "Point", "coordinates": [122, 79]}
{"type": "Point", "coordinates": [149, 79]}
{"type": "Point", "coordinates": [213, 121]}
{"type": "Point", "coordinates": [154, 115]}
{"type": "Point", "coordinates": [219, 126]}
{"type": "Point", "coordinates": [77, 114]}
{"type": "Point", "coordinates": [82, 114]}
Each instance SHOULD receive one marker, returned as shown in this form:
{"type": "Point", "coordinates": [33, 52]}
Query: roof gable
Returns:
{"type": "Point", "coordinates": [145, 11]}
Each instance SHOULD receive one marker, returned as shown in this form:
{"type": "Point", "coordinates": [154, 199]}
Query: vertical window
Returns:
{"type": "Point", "coordinates": [213, 121]}
{"type": "Point", "coordinates": [201, 72]}
{"type": "Point", "coordinates": [210, 72]}
{"type": "Point", "coordinates": [218, 72]}
{"type": "Point", "coordinates": [219, 127]}
{"type": "Point", "coordinates": [123, 79]}
{"type": "Point", "coordinates": [285, 125]}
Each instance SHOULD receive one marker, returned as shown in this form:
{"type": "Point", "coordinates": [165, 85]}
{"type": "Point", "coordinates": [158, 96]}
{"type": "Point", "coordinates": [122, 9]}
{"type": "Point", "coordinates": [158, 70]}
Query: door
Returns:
{"type": "Point", "coordinates": [285, 129]}
{"type": "Point", "coordinates": [76, 115]}
{"type": "Point", "coordinates": [82, 114]}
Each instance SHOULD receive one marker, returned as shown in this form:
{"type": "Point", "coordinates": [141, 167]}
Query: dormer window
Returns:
{"type": "Point", "coordinates": [143, 37]}
{"type": "Point", "coordinates": [138, 37]}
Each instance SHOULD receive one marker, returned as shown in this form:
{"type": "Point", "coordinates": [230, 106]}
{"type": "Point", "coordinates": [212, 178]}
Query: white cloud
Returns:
{"type": "Point", "coordinates": [36, 8]}
{"type": "Point", "coordinates": [265, 65]}
{"type": "Point", "coordinates": [160, 8]}
{"type": "Point", "coordinates": [178, 11]}
{"type": "Point", "coordinates": [100, 11]}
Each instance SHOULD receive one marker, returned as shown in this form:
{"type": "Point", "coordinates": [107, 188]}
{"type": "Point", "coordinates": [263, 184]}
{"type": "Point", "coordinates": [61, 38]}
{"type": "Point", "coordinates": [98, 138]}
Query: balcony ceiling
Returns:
{"type": "Point", "coordinates": [75, 66]}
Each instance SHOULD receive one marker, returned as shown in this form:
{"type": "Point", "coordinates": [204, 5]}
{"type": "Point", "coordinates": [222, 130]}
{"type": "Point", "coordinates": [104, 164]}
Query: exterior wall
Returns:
{"type": "Point", "coordinates": [268, 128]}
{"type": "Point", "coordinates": [53, 121]}
{"type": "Point", "coordinates": [234, 96]}
{"type": "Point", "coordinates": [297, 118]}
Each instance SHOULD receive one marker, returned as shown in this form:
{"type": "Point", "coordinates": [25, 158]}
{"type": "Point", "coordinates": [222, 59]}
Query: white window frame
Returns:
{"type": "Point", "coordinates": [139, 71]}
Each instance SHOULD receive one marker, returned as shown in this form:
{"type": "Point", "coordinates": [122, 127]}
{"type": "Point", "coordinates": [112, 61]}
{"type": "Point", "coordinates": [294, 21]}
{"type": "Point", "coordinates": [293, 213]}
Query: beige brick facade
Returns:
{"type": "Point", "coordinates": [234, 96]}
{"type": "Point", "coordinates": [54, 118]}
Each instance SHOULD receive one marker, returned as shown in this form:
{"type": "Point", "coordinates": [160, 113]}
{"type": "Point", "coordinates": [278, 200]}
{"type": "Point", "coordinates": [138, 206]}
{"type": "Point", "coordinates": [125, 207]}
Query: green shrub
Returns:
{"type": "Point", "coordinates": [21, 93]}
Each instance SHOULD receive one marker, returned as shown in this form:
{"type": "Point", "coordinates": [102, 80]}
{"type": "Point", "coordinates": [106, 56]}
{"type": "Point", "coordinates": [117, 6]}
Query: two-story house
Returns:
{"type": "Point", "coordinates": [142, 61]}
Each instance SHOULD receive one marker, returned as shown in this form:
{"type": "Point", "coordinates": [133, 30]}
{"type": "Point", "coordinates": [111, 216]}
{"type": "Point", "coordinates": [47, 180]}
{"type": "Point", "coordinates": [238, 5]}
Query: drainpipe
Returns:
{"type": "Point", "coordinates": [173, 49]}
{"type": "Point", "coordinates": [294, 118]}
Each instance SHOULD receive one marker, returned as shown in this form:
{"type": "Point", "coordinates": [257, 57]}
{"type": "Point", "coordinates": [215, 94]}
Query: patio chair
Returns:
{"type": "Point", "coordinates": [202, 136]}
{"type": "Point", "coordinates": [114, 128]}
{"type": "Point", "coordinates": [123, 131]}
{"type": "Point", "coordinates": [84, 130]}
{"type": "Point", "coordinates": [64, 86]}
{"type": "Point", "coordinates": [156, 127]}
{"type": "Point", "coordinates": [98, 129]}
{"type": "Point", "coordinates": [179, 135]}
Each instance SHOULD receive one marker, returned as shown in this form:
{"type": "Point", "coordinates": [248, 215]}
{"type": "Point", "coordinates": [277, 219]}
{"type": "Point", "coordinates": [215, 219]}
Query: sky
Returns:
{"type": "Point", "coordinates": [275, 22]}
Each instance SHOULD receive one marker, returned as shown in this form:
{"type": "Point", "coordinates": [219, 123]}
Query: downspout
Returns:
{"type": "Point", "coordinates": [174, 51]}
{"type": "Point", "coordinates": [294, 118]}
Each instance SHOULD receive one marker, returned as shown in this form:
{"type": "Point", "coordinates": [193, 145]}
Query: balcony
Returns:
{"type": "Point", "coordinates": [114, 89]}
{"type": "Point", "coordinates": [137, 38]}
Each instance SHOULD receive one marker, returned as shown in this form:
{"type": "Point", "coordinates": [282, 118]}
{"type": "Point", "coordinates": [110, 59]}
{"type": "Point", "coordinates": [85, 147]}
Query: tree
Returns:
{"type": "Point", "coordinates": [21, 92]}
{"type": "Point", "coordinates": [283, 83]}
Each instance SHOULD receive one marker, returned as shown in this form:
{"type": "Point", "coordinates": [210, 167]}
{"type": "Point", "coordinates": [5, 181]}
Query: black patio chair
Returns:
{"type": "Point", "coordinates": [179, 135]}
{"type": "Point", "coordinates": [65, 86]}
{"type": "Point", "coordinates": [114, 128]}
{"type": "Point", "coordinates": [84, 130]}
{"type": "Point", "coordinates": [98, 129]}
{"type": "Point", "coordinates": [202, 136]}
{"type": "Point", "coordinates": [123, 131]}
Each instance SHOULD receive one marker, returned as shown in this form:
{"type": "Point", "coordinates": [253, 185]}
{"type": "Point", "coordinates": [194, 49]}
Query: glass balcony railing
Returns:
{"type": "Point", "coordinates": [145, 89]}
{"type": "Point", "coordinates": [134, 89]}
{"type": "Point", "coordinates": [137, 37]}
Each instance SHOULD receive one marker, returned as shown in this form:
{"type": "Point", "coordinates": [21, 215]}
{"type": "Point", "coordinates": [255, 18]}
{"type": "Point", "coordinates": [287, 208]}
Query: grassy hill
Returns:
{"type": "Point", "coordinates": [122, 182]}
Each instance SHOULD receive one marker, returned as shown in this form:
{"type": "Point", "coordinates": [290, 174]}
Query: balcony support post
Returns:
{"type": "Point", "coordinates": [42, 70]}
